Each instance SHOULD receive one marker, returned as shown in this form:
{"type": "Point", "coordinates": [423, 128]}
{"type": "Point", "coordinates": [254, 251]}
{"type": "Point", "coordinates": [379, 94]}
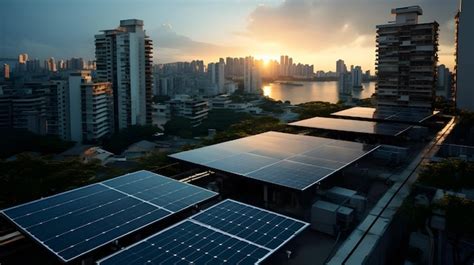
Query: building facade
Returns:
{"type": "Point", "coordinates": [406, 62]}
{"type": "Point", "coordinates": [90, 108]}
{"type": "Point", "coordinates": [464, 56]}
{"type": "Point", "coordinates": [124, 58]}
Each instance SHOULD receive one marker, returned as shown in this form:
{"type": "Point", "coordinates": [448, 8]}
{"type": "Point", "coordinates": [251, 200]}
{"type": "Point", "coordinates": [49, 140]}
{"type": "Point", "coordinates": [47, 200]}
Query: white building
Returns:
{"type": "Point", "coordinates": [252, 77]}
{"type": "Point", "coordinates": [216, 72]}
{"type": "Point", "coordinates": [465, 56]}
{"type": "Point", "coordinates": [90, 107]}
{"type": "Point", "coordinates": [124, 58]}
{"type": "Point", "coordinates": [195, 110]}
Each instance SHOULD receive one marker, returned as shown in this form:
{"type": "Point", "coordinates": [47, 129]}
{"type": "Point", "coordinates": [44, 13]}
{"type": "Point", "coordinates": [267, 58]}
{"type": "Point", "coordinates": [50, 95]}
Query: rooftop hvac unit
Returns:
{"type": "Point", "coordinates": [329, 218]}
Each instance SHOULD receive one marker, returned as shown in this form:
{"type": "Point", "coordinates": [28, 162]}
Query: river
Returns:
{"type": "Point", "coordinates": [313, 91]}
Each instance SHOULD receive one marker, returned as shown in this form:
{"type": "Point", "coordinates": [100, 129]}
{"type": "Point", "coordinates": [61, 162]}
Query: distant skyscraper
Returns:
{"type": "Point", "coordinates": [50, 64]}
{"type": "Point", "coordinates": [252, 77]}
{"type": "Point", "coordinates": [356, 75]}
{"type": "Point", "coordinates": [6, 71]}
{"type": "Point", "coordinates": [444, 84]}
{"type": "Point", "coordinates": [124, 58]}
{"type": "Point", "coordinates": [22, 61]}
{"type": "Point", "coordinates": [406, 62]}
{"type": "Point", "coordinates": [22, 58]}
{"type": "Point", "coordinates": [75, 64]}
{"type": "Point", "coordinates": [340, 67]}
{"type": "Point", "coordinates": [465, 56]}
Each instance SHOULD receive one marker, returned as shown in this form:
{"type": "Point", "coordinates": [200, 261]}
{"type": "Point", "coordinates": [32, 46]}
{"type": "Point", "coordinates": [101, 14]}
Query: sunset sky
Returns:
{"type": "Point", "coordinates": [311, 31]}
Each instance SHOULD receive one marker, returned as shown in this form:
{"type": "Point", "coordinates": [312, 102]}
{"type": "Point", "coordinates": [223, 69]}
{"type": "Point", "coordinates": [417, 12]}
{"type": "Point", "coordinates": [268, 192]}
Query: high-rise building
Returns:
{"type": "Point", "coordinates": [22, 58]}
{"type": "Point", "coordinates": [50, 65]}
{"type": "Point", "coordinates": [76, 64]}
{"type": "Point", "coordinates": [6, 71]}
{"type": "Point", "coordinates": [406, 62]}
{"type": "Point", "coordinates": [252, 77]}
{"type": "Point", "coordinates": [356, 75]}
{"type": "Point", "coordinates": [124, 58]}
{"type": "Point", "coordinates": [22, 61]}
{"type": "Point", "coordinates": [444, 82]}
{"type": "Point", "coordinates": [90, 107]}
{"type": "Point", "coordinates": [340, 67]}
{"type": "Point", "coordinates": [464, 56]}
{"type": "Point", "coordinates": [57, 102]}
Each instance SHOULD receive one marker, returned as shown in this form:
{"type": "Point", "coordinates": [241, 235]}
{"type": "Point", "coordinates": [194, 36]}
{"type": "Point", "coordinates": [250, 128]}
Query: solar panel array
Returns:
{"type": "Point", "coordinates": [387, 115]}
{"type": "Point", "coordinates": [289, 160]}
{"type": "Point", "coordinates": [75, 222]}
{"type": "Point", "coordinates": [366, 127]}
{"type": "Point", "coordinates": [229, 232]}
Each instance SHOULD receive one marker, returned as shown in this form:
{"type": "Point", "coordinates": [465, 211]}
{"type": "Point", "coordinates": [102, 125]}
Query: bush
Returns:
{"type": "Point", "coordinates": [119, 141]}
{"type": "Point", "coordinates": [14, 141]}
{"type": "Point", "coordinates": [450, 174]}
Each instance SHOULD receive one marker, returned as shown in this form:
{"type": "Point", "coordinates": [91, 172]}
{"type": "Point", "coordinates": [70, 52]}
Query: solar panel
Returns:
{"type": "Point", "coordinates": [366, 127]}
{"type": "Point", "coordinates": [265, 228]}
{"type": "Point", "coordinates": [229, 232]}
{"type": "Point", "coordinates": [289, 160]}
{"type": "Point", "coordinates": [385, 115]}
{"type": "Point", "coordinates": [76, 222]}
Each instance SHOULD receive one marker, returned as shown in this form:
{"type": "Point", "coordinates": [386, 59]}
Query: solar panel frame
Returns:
{"type": "Point", "coordinates": [298, 145]}
{"type": "Point", "coordinates": [191, 219]}
{"type": "Point", "coordinates": [356, 126]}
{"type": "Point", "coordinates": [74, 257]}
{"type": "Point", "coordinates": [368, 113]}
{"type": "Point", "coordinates": [304, 225]}
{"type": "Point", "coordinates": [155, 236]}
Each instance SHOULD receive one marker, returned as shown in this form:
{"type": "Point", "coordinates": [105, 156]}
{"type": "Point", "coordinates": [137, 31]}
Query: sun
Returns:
{"type": "Point", "coordinates": [266, 58]}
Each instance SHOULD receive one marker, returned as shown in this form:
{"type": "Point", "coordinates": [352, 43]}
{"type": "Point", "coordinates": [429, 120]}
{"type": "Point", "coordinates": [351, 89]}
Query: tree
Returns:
{"type": "Point", "coordinates": [119, 141]}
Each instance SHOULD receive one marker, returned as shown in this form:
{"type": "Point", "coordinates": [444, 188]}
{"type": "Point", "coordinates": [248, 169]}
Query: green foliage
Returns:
{"type": "Point", "coordinates": [317, 108]}
{"type": "Point", "coordinates": [271, 105]}
{"type": "Point", "coordinates": [14, 141]}
{"type": "Point", "coordinates": [416, 214]}
{"type": "Point", "coordinates": [366, 102]}
{"type": "Point", "coordinates": [249, 127]}
{"type": "Point", "coordinates": [28, 178]}
{"type": "Point", "coordinates": [220, 119]}
{"type": "Point", "coordinates": [459, 215]}
{"type": "Point", "coordinates": [450, 174]}
{"type": "Point", "coordinates": [240, 97]}
{"type": "Point", "coordinates": [152, 161]}
{"type": "Point", "coordinates": [445, 106]}
{"type": "Point", "coordinates": [119, 141]}
{"type": "Point", "coordinates": [179, 126]}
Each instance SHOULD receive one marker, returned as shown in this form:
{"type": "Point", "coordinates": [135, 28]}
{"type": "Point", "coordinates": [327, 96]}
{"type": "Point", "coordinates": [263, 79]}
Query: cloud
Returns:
{"type": "Point", "coordinates": [175, 46]}
{"type": "Point", "coordinates": [323, 24]}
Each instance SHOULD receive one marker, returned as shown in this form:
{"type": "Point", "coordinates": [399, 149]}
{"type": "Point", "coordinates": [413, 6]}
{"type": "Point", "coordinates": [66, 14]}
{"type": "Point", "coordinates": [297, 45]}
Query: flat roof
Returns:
{"type": "Point", "coordinates": [76, 222]}
{"type": "Point", "coordinates": [289, 160]}
{"type": "Point", "coordinates": [357, 126]}
{"type": "Point", "coordinates": [228, 232]}
{"type": "Point", "coordinates": [383, 115]}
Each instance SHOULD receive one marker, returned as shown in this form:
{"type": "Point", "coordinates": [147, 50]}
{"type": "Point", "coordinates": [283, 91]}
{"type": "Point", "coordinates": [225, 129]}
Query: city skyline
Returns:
{"type": "Point", "coordinates": [264, 29]}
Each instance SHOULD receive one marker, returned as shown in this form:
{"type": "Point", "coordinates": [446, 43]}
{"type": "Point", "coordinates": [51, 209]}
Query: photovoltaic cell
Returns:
{"type": "Point", "coordinates": [344, 125]}
{"type": "Point", "coordinates": [227, 233]}
{"type": "Point", "coordinates": [289, 160]}
{"type": "Point", "coordinates": [262, 227]}
{"type": "Point", "coordinates": [384, 115]}
{"type": "Point", "coordinates": [73, 223]}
